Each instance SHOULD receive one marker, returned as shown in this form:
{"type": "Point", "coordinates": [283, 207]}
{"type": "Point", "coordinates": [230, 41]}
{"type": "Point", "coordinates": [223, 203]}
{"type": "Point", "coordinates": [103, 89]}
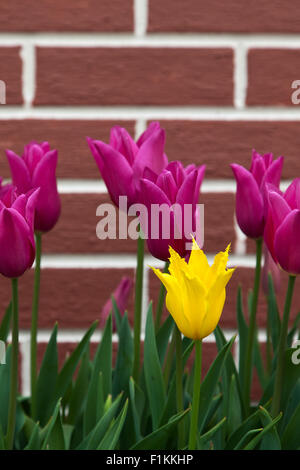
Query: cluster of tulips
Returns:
{"type": "Point", "coordinates": [158, 404]}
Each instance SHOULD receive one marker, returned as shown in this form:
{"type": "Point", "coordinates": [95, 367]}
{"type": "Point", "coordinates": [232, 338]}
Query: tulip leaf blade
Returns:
{"type": "Point", "coordinates": [5, 323]}
{"type": "Point", "coordinates": [111, 437]}
{"type": "Point", "coordinates": [210, 381]}
{"type": "Point", "coordinates": [153, 373]}
{"type": "Point", "coordinates": [124, 361]}
{"type": "Point", "coordinates": [158, 438]}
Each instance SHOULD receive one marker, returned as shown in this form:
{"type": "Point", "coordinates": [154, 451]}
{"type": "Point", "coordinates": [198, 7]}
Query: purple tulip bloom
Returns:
{"type": "Point", "coordinates": [282, 231]}
{"type": "Point", "coordinates": [36, 168]}
{"type": "Point", "coordinates": [121, 295]}
{"type": "Point", "coordinates": [175, 187]}
{"type": "Point", "coordinates": [17, 245]}
{"type": "Point", "coordinates": [122, 162]}
{"type": "Point", "coordinates": [251, 198]}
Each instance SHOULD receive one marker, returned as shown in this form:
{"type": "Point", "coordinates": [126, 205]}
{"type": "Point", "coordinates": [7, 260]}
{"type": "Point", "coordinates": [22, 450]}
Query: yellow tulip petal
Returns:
{"type": "Point", "coordinates": [214, 311]}
{"type": "Point", "coordinates": [177, 265]}
{"type": "Point", "coordinates": [219, 265]}
{"type": "Point", "coordinates": [198, 263]}
{"type": "Point", "coordinates": [195, 304]}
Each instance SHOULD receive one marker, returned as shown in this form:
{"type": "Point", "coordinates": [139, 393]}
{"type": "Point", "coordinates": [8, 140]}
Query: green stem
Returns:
{"type": "Point", "coordinates": [179, 384]}
{"type": "Point", "coordinates": [138, 307]}
{"type": "Point", "coordinates": [282, 346]}
{"type": "Point", "coordinates": [269, 344]}
{"type": "Point", "coordinates": [34, 323]}
{"type": "Point", "coordinates": [14, 368]}
{"type": "Point", "coordinates": [161, 300]}
{"type": "Point", "coordinates": [252, 327]}
{"type": "Point", "coordinates": [169, 358]}
{"type": "Point", "coordinates": [196, 395]}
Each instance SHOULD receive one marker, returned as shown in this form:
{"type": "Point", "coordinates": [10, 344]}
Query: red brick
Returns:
{"type": "Point", "coordinates": [243, 277]}
{"type": "Point", "coordinates": [69, 15]}
{"type": "Point", "coordinates": [242, 16]}
{"type": "Point", "coordinates": [271, 73]}
{"type": "Point", "coordinates": [72, 297]}
{"type": "Point", "coordinates": [134, 76]}
{"type": "Point", "coordinates": [68, 136]}
{"type": "Point", "coordinates": [11, 74]}
{"type": "Point", "coordinates": [215, 143]}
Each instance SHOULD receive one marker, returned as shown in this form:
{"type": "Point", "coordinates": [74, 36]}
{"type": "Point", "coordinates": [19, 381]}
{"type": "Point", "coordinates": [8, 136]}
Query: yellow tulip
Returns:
{"type": "Point", "coordinates": [196, 291]}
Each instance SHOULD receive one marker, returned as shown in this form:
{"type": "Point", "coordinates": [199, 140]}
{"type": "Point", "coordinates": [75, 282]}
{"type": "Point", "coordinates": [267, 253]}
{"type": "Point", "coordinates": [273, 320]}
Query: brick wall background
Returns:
{"type": "Point", "coordinates": [216, 74]}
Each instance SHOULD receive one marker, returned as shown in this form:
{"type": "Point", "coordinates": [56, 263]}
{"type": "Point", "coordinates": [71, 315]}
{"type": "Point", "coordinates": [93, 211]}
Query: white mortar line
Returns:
{"type": "Point", "coordinates": [240, 76]}
{"type": "Point", "coordinates": [240, 248]}
{"type": "Point", "coordinates": [25, 364]}
{"type": "Point", "coordinates": [140, 127]}
{"type": "Point", "coordinates": [28, 73]}
{"type": "Point", "coordinates": [122, 260]}
{"type": "Point", "coordinates": [140, 17]}
{"type": "Point", "coordinates": [176, 113]}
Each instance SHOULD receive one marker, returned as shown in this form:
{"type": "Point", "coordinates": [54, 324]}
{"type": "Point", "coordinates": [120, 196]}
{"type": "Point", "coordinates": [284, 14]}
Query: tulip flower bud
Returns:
{"type": "Point", "coordinates": [122, 162]}
{"type": "Point", "coordinates": [36, 168]}
{"type": "Point", "coordinates": [251, 201]}
{"type": "Point", "coordinates": [282, 231]}
{"type": "Point", "coordinates": [196, 291]}
{"type": "Point", "coordinates": [121, 295]}
{"type": "Point", "coordinates": [17, 245]}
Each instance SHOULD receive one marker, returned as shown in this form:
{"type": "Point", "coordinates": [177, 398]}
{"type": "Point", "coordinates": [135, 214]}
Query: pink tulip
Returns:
{"type": "Point", "coordinates": [36, 168]}
{"type": "Point", "coordinates": [282, 231]}
{"type": "Point", "coordinates": [122, 161]}
{"type": "Point", "coordinates": [175, 185]}
{"type": "Point", "coordinates": [251, 200]}
{"type": "Point", "coordinates": [121, 295]}
{"type": "Point", "coordinates": [17, 245]}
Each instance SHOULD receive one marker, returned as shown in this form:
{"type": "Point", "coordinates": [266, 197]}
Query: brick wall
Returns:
{"type": "Point", "coordinates": [216, 74]}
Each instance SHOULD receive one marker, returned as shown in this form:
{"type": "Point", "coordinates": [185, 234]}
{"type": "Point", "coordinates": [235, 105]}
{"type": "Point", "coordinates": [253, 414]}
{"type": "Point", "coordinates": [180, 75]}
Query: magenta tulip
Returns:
{"type": "Point", "coordinates": [17, 246]}
{"type": "Point", "coordinates": [36, 168]}
{"type": "Point", "coordinates": [251, 199]}
{"type": "Point", "coordinates": [121, 295]}
{"type": "Point", "coordinates": [174, 186]}
{"type": "Point", "coordinates": [282, 231]}
{"type": "Point", "coordinates": [122, 162]}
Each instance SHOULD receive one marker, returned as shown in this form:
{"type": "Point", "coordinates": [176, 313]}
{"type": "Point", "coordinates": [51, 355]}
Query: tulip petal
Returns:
{"type": "Point", "coordinates": [115, 171]}
{"type": "Point", "coordinates": [273, 173]}
{"type": "Point", "coordinates": [166, 183]}
{"type": "Point", "coordinates": [17, 253]}
{"type": "Point", "coordinates": [249, 203]}
{"type": "Point", "coordinates": [48, 203]}
{"type": "Point", "coordinates": [198, 263]}
{"type": "Point", "coordinates": [194, 304]}
{"type": "Point", "coordinates": [292, 194]}
{"type": "Point", "coordinates": [122, 141]}
{"type": "Point", "coordinates": [278, 207]}
{"type": "Point", "coordinates": [20, 174]}
{"type": "Point", "coordinates": [151, 155]}
{"type": "Point", "coordinates": [286, 243]}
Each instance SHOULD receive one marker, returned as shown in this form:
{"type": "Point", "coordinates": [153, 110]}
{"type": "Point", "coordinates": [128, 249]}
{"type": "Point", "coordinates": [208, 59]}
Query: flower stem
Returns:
{"type": "Point", "coordinates": [161, 299]}
{"type": "Point", "coordinates": [281, 347]}
{"type": "Point", "coordinates": [252, 327]}
{"type": "Point", "coordinates": [34, 323]}
{"type": "Point", "coordinates": [14, 368]}
{"type": "Point", "coordinates": [138, 307]}
{"type": "Point", "coordinates": [196, 395]}
{"type": "Point", "coordinates": [179, 384]}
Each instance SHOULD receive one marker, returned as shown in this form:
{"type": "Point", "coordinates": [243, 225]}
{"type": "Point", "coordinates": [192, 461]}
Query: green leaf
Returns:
{"type": "Point", "coordinates": [124, 362]}
{"type": "Point", "coordinates": [111, 438]}
{"type": "Point", "coordinates": [252, 422]}
{"type": "Point", "coordinates": [78, 396]}
{"type": "Point", "coordinates": [255, 441]}
{"type": "Point", "coordinates": [234, 407]}
{"type": "Point", "coordinates": [92, 440]}
{"type": "Point", "coordinates": [290, 438]}
{"type": "Point", "coordinates": [210, 382]}
{"type": "Point", "coordinates": [202, 440]}
{"type": "Point", "coordinates": [270, 440]}
{"type": "Point", "coordinates": [34, 441]}
{"type": "Point", "coordinates": [5, 324]}
{"type": "Point", "coordinates": [134, 411]}
{"type": "Point", "coordinates": [67, 430]}
{"type": "Point", "coordinates": [66, 374]}
{"type": "Point", "coordinates": [158, 438]}
{"type": "Point", "coordinates": [163, 337]}
{"type": "Point", "coordinates": [46, 381]}
{"type": "Point", "coordinates": [4, 389]}
{"type": "Point", "coordinates": [153, 373]}
{"type": "Point", "coordinates": [52, 435]}
{"type": "Point", "coordinates": [259, 364]}
{"type": "Point", "coordinates": [243, 337]}
{"type": "Point", "coordinates": [293, 330]}
{"type": "Point", "coordinates": [117, 315]}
